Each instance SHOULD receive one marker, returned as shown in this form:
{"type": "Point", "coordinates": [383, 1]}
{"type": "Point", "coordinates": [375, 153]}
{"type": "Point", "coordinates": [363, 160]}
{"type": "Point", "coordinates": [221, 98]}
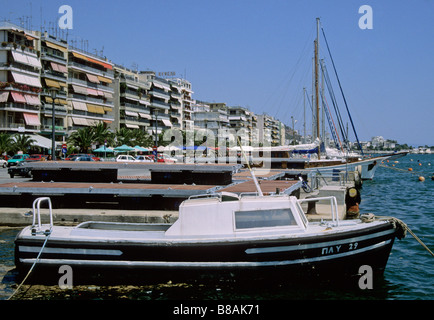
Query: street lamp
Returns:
{"type": "Point", "coordinates": [53, 93]}
{"type": "Point", "coordinates": [156, 135]}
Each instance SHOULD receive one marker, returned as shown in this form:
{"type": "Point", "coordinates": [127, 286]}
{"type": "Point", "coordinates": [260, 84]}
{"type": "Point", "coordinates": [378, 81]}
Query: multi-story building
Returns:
{"type": "Point", "coordinates": [20, 83]}
{"type": "Point", "coordinates": [131, 100]}
{"type": "Point", "coordinates": [159, 96]}
{"type": "Point", "coordinates": [54, 73]}
{"type": "Point", "coordinates": [90, 90]}
{"type": "Point", "coordinates": [187, 104]}
{"type": "Point", "coordinates": [240, 120]}
{"type": "Point", "coordinates": [271, 131]}
{"type": "Point", "coordinates": [212, 116]}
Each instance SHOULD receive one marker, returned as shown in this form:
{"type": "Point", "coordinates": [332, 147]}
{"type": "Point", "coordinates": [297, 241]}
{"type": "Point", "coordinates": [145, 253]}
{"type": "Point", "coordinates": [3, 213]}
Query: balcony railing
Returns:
{"type": "Point", "coordinates": [91, 99]}
{"type": "Point", "coordinates": [18, 127]}
{"type": "Point", "coordinates": [16, 105]}
{"type": "Point", "coordinates": [90, 84]}
{"type": "Point", "coordinates": [161, 105]}
{"type": "Point", "coordinates": [107, 73]}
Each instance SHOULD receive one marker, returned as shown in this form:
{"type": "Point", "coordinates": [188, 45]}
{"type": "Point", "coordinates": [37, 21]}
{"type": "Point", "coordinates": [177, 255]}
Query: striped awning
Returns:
{"type": "Point", "coordinates": [32, 119]}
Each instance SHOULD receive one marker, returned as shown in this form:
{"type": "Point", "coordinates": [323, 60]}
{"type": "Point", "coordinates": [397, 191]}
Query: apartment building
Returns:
{"type": "Point", "coordinates": [211, 116]}
{"type": "Point", "coordinates": [54, 74]}
{"type": "Point", "coordinates": [90, 90]}
{"type": "Point", "coordinates": [271, 131]}
{"type": "Point", "coordinates": [20, 82]}
{"type": "Point", "coordinates": [131, 100]}
{"type": "Point", "coordinates": [241, 120]}
{"type": "Point", "coordinates": [187, 104]}
{"type": "Point", "coordinates": [176, 103]}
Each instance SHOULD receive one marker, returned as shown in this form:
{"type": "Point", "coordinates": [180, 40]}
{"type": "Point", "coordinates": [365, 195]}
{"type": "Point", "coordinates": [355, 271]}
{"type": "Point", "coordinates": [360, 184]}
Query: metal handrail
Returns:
{"type": "Point", "coordinates": [37, 213]}
{"type": "Point", "coordinates": [333, 204]}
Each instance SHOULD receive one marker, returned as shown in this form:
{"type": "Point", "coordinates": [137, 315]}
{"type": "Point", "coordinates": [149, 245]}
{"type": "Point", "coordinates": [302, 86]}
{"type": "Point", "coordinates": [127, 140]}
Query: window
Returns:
{"type": "Point", "coordinates": [264, 218]}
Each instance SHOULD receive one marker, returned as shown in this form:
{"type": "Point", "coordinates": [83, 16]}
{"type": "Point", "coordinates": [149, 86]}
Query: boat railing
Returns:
{"type": "Point", "coordinates": [36, 224]}
{"type": "Point", "coordinates": [202, 196]}
{"type": "Point", "coordinates": [333, 177]}
{"type": "Point", "coordinates": [221, 196]}
{"type": "Point", "coordinates": [333, 206]}
{"type": "Point", "coordinates": [256, 194]}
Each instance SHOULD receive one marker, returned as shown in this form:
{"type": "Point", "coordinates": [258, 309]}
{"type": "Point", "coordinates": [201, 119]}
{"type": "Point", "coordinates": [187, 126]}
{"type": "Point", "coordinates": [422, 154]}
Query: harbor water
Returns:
{"type": "Point", "coordinates": [395, 191]}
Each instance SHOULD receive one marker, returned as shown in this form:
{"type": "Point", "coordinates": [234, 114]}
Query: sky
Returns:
{"type": "Point", "coordinates": [258, 54]}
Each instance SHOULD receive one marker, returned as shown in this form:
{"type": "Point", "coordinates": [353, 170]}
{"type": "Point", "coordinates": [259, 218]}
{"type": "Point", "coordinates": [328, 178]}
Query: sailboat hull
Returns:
{"type": "Point", "coordinates": [365, 168]}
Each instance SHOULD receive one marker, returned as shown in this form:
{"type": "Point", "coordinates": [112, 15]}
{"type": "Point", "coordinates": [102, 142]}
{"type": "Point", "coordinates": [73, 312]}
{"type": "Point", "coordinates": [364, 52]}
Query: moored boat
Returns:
{"type": "Point", "coordinates": [219, 233]}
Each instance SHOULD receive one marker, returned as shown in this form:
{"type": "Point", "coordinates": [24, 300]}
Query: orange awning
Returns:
{"type": "Point", "coordinates": [18, 97]}
{"type": "Point", "coordinates": [31, 119]}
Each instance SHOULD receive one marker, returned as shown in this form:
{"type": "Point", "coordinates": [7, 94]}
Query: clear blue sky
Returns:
{"type": "Point", "coordinates": [258, 54]}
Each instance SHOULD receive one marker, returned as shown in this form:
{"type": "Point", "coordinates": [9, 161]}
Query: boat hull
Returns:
{"type": "Point", "coordinates": [328, 255]}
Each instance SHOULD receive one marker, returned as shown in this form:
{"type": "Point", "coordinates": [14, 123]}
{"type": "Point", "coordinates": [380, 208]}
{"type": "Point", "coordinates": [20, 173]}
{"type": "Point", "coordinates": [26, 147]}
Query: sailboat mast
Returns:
{"type": "Point", "coordinates": [317, 86]}
{"type": "Point", "coordinates": [304, 115]}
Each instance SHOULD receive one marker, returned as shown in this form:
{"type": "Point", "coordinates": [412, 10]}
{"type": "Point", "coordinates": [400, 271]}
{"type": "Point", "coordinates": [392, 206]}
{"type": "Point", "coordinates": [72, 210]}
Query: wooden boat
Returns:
{"type": "Point", "coordinates": [224, 233]}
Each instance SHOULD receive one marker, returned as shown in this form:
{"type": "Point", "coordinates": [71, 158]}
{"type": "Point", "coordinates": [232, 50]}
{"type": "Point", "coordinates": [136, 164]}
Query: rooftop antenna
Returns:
{"type": "Point", "coordinates": [41, 19]}
{"type": "Point", "coordinates": [30, 18]}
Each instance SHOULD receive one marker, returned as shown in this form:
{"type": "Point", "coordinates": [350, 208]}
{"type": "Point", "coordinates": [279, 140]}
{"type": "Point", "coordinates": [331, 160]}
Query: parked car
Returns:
{"type": "Point", "coordinates": [16, 159]}
{"type": "Point", "coordinates": [71, 157]}
{"type": "Point", "coordinates": [143, 159]}
{"type": "Point", "coordinates": [125, 158]}
{"type": "Point", "coordinates": [166, 159]}
{"type": "Point", "coordinates": [3, 163]}
{"type": "Point", "coordinates": [35, 157]}
{"type": "Point", "coordinates": [83, 158]}
{"type": "Point", "coordinates": [19, 170]}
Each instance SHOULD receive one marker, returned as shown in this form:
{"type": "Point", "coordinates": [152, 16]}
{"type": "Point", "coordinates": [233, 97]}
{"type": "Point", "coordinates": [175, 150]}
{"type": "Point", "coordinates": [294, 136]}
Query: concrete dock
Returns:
{"type": "Point", "coordinates": [139, 194]}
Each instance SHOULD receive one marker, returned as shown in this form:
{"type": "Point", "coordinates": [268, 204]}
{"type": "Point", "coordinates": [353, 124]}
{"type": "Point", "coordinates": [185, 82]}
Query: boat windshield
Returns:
{"type": "Point", "coordinates": [264, 218]}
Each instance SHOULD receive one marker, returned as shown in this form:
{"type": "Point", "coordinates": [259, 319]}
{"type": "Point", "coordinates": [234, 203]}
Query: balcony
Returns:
{"type": "Point", "coordinates": [53, 75]}
{"type": "Point", "coordinates": [53, 58]}
{"type": "Point", "coordinates": [160, 105]}
{"type": "Point", "coordinates": [47, 129]}
{"type": "Point", "coordinates": [91, 99]}
{"type": "Point", "coordinates": [19, 107]}
{"type": "Point", "coordinates": [160, 94]}
{"type": "Point", "coordinates": [90, 84]}
{"type": "Point", "coordinates": [82, 67]}
{"type": "Point", "coordinates": [19, 127]}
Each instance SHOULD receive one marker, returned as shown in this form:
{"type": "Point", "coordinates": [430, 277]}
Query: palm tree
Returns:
{"type": "Point", "coordinates": [22, 143]}
{"type": "Point", "coordinates": [102, 134]}
{"type": "Point", "coordinates": [141, 138]}
{"type": "Point", "coordinates": [82, 139]}
{"type": "Point", "coordinates": [123, 136]}
{"type": "Point", "coordinates": [6, 143]}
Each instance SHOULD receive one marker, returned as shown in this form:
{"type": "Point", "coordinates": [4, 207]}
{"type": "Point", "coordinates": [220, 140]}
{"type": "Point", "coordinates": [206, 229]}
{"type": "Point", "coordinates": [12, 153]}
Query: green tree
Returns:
{"type": "Point", "coordinates": [141, 138]}
{"type": "Point", "coordinates": [82, 139]}
{"type": "Point", "coordinates": [101, 134]}
{"type": "Point", "coordinates": [123, 136]}
{"type": "Point", "coordinates": [6, 143]}
{"type": "Point", "coordinates": [22, 143]}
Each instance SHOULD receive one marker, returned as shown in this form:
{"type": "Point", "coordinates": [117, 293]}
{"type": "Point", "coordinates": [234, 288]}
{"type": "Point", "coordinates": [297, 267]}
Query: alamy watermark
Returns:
{"type": "Point", "coordinates": [366, 278]}
{"type": "Point", "coordinates": [367, 20]}
{"type": "Point", "coordinates": [65, 21]}
{"type": "Point", "coordinates": [66, 280]}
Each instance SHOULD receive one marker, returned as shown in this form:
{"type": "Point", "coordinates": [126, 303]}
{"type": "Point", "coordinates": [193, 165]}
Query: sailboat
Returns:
{"type": "Point", "coordinates": [316, 156]}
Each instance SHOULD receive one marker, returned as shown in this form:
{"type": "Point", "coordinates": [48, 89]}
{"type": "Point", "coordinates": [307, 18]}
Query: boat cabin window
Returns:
{"type": "Point", "coordinates": [264, 218]}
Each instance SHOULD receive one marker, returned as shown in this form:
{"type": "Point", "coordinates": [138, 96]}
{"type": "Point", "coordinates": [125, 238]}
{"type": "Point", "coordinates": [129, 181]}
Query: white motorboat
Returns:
{"type": "Point", "coordinates": [224, 232]}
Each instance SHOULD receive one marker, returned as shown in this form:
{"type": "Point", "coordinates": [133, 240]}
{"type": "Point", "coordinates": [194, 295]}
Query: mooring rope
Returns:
{"type": "Point", "coordinates": [33, 265]}
{"type": "Point", "coordinates": [402, 170]}
{"type": "Point", "coordinates": [369, 217]}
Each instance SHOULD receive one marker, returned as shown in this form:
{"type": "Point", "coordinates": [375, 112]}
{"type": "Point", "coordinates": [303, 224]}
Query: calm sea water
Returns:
{"type": "Point", "coordinates": [408, 276]}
